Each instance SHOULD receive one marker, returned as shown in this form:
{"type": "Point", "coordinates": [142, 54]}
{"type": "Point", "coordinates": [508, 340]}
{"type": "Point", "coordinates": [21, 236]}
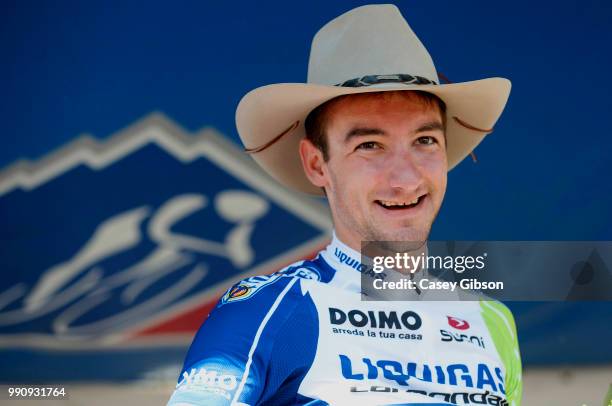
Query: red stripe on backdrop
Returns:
{"type": "Point", "coordinates": [188, 322]}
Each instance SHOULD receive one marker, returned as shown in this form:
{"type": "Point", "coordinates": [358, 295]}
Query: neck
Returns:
{"type": "Point", "coordinates": [352, 241]}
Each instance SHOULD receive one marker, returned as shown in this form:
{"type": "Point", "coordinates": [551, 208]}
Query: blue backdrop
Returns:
{"type": "Point", "coordinates": [74, 67]}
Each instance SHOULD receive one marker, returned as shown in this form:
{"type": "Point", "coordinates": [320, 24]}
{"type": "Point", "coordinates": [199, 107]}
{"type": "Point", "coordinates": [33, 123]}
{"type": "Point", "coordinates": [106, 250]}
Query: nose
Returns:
{"type": "Point", "coordinates": [403, 172]}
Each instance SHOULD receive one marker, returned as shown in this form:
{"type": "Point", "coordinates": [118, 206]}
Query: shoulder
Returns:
{"type": "Point", "coordinates": [498, 314]}
{"type": "Point", "coordinates": [502, 328]}
{"type": "Point", "coordinates": [263, 305]}
{"type": "Point", "coordinates": [313, 269]}
{"type": "Point", "coordinates": [253, 333]}
{"type": "Point", "coordinates": [278, 293]}
{"type": "Point", "coordinates": [285, 283]}
{"type": "Point", "coordinates": [272, 285]}
{"type": "Point", "coordinates": [254, 310]}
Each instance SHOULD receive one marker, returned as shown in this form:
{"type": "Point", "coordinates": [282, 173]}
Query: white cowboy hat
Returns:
{"type": "Point", "coordinates": [368, 49]}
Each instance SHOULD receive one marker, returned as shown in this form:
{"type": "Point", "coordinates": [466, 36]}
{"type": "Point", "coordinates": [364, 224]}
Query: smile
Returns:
{"type": "Point", "coordinates": [398, 205]}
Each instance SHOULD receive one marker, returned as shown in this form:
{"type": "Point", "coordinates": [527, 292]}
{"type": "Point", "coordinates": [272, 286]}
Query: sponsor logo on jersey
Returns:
{"type": "Point", "coordinates": [303, 271]}
{"type": "Point", "coordinates": [448, 336]}
{"type": "Point", "coordinates": [348, 260]}
{"type": "Point", "coordinates": [207, 380]}
{"type": "Point", "coordinates": [480, 376]}
{"type": "Point", "coordinates": [457, 323]}
{"type": "Point", "coordinates": [376, 319]}
{"type": "Point", "coordinates": [455, 398]}
{"type": "Point", "coordinates": [247, 288]}
{"type": "Point", "coordinates": [237, 292]}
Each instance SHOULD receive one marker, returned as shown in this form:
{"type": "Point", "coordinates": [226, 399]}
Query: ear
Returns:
{"type": "Point", "coordinates": [313, 163]}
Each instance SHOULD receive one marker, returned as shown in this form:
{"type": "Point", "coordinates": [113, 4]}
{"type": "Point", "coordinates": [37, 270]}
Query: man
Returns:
{"type": "Point", "coordinates": [375, 132]}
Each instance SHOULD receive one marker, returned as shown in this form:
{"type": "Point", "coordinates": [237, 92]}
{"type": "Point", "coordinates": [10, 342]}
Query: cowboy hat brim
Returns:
{"type": "Point", "coordinates": [268, 111]}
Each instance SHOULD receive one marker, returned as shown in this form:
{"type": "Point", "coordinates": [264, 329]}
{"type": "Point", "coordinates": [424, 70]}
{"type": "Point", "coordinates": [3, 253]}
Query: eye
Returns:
{"type": "Point", "coordinates": [368, 145]}
{"type": "Point", "coordinates": [427, 140]}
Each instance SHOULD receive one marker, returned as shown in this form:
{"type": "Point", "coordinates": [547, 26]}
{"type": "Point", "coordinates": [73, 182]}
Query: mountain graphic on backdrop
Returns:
{"type": "Point", "coordinates": [134, 237]}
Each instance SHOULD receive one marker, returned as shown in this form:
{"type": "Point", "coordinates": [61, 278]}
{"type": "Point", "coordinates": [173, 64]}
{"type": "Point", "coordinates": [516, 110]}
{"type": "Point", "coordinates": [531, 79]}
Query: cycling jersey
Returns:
{"type": "Point", "coordinates": [303, 336]}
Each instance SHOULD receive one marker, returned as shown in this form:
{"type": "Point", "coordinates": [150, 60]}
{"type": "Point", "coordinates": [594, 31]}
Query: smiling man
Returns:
{"type": "Point", "coordinates": [375, 132]}
{"type": "Point", "coordinates": [381, 159]}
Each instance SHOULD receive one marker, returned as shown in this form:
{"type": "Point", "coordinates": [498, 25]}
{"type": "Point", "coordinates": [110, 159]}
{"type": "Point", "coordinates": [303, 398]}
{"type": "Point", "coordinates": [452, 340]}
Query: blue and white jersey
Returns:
{"type": "Point", "coordinates": [303, 336]}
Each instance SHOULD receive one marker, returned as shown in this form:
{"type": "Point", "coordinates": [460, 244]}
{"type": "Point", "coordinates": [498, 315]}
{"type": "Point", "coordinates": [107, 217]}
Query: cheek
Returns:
{"type": "Point", "coordinates": [371, 169]}
{"type": "Point", "coordinates": [351, 182]}
{"type": "Point", "coordinates": [356, 173]}
{"type": "Point", "coordinates": [436, 170]}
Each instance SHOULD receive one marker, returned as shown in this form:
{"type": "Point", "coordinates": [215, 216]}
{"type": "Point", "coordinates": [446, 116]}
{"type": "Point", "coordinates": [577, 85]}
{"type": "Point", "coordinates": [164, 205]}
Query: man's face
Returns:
{"type": "Point", "coordinates": [386, 173]}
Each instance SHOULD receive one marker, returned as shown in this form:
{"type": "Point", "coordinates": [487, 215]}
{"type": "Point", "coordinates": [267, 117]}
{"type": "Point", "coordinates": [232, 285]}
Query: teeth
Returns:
{"type": "Point", "coordinates": [392, 204]}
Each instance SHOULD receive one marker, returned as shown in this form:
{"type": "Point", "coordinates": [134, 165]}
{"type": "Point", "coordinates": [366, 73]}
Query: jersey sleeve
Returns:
{"type": "Point", "coordinates": [240, 354]}
{"type": "Point", "coordinates": [501, 326]}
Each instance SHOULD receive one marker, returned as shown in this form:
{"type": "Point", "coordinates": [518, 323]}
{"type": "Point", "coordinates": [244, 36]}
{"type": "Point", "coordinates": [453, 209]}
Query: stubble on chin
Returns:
{"type": "Point", "coordinates": [408, 235]}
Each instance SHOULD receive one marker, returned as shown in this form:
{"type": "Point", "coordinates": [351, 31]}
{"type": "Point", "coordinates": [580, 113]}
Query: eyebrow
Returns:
{"type": "Point", "coordinates": [431, 126]}
{"type": "Point", "coordinates": [364, 131]}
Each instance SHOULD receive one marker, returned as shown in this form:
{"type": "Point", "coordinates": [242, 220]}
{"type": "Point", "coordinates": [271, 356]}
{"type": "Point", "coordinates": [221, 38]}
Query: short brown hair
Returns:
{"type": "Point", "coordinates": [316, 121]}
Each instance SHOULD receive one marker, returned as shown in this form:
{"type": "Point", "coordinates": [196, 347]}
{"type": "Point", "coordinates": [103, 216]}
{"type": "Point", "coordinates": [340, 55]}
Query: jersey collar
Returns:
{"type": "Point", "coordinates": [349, 269]}
{"type": "Point", "coordinates": [342, 257]}
{"type": "Point", "coordinates": [346, 263]}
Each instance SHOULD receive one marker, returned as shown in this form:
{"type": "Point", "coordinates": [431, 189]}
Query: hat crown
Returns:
{"type": "Point", "coordinates": [368, 40]}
